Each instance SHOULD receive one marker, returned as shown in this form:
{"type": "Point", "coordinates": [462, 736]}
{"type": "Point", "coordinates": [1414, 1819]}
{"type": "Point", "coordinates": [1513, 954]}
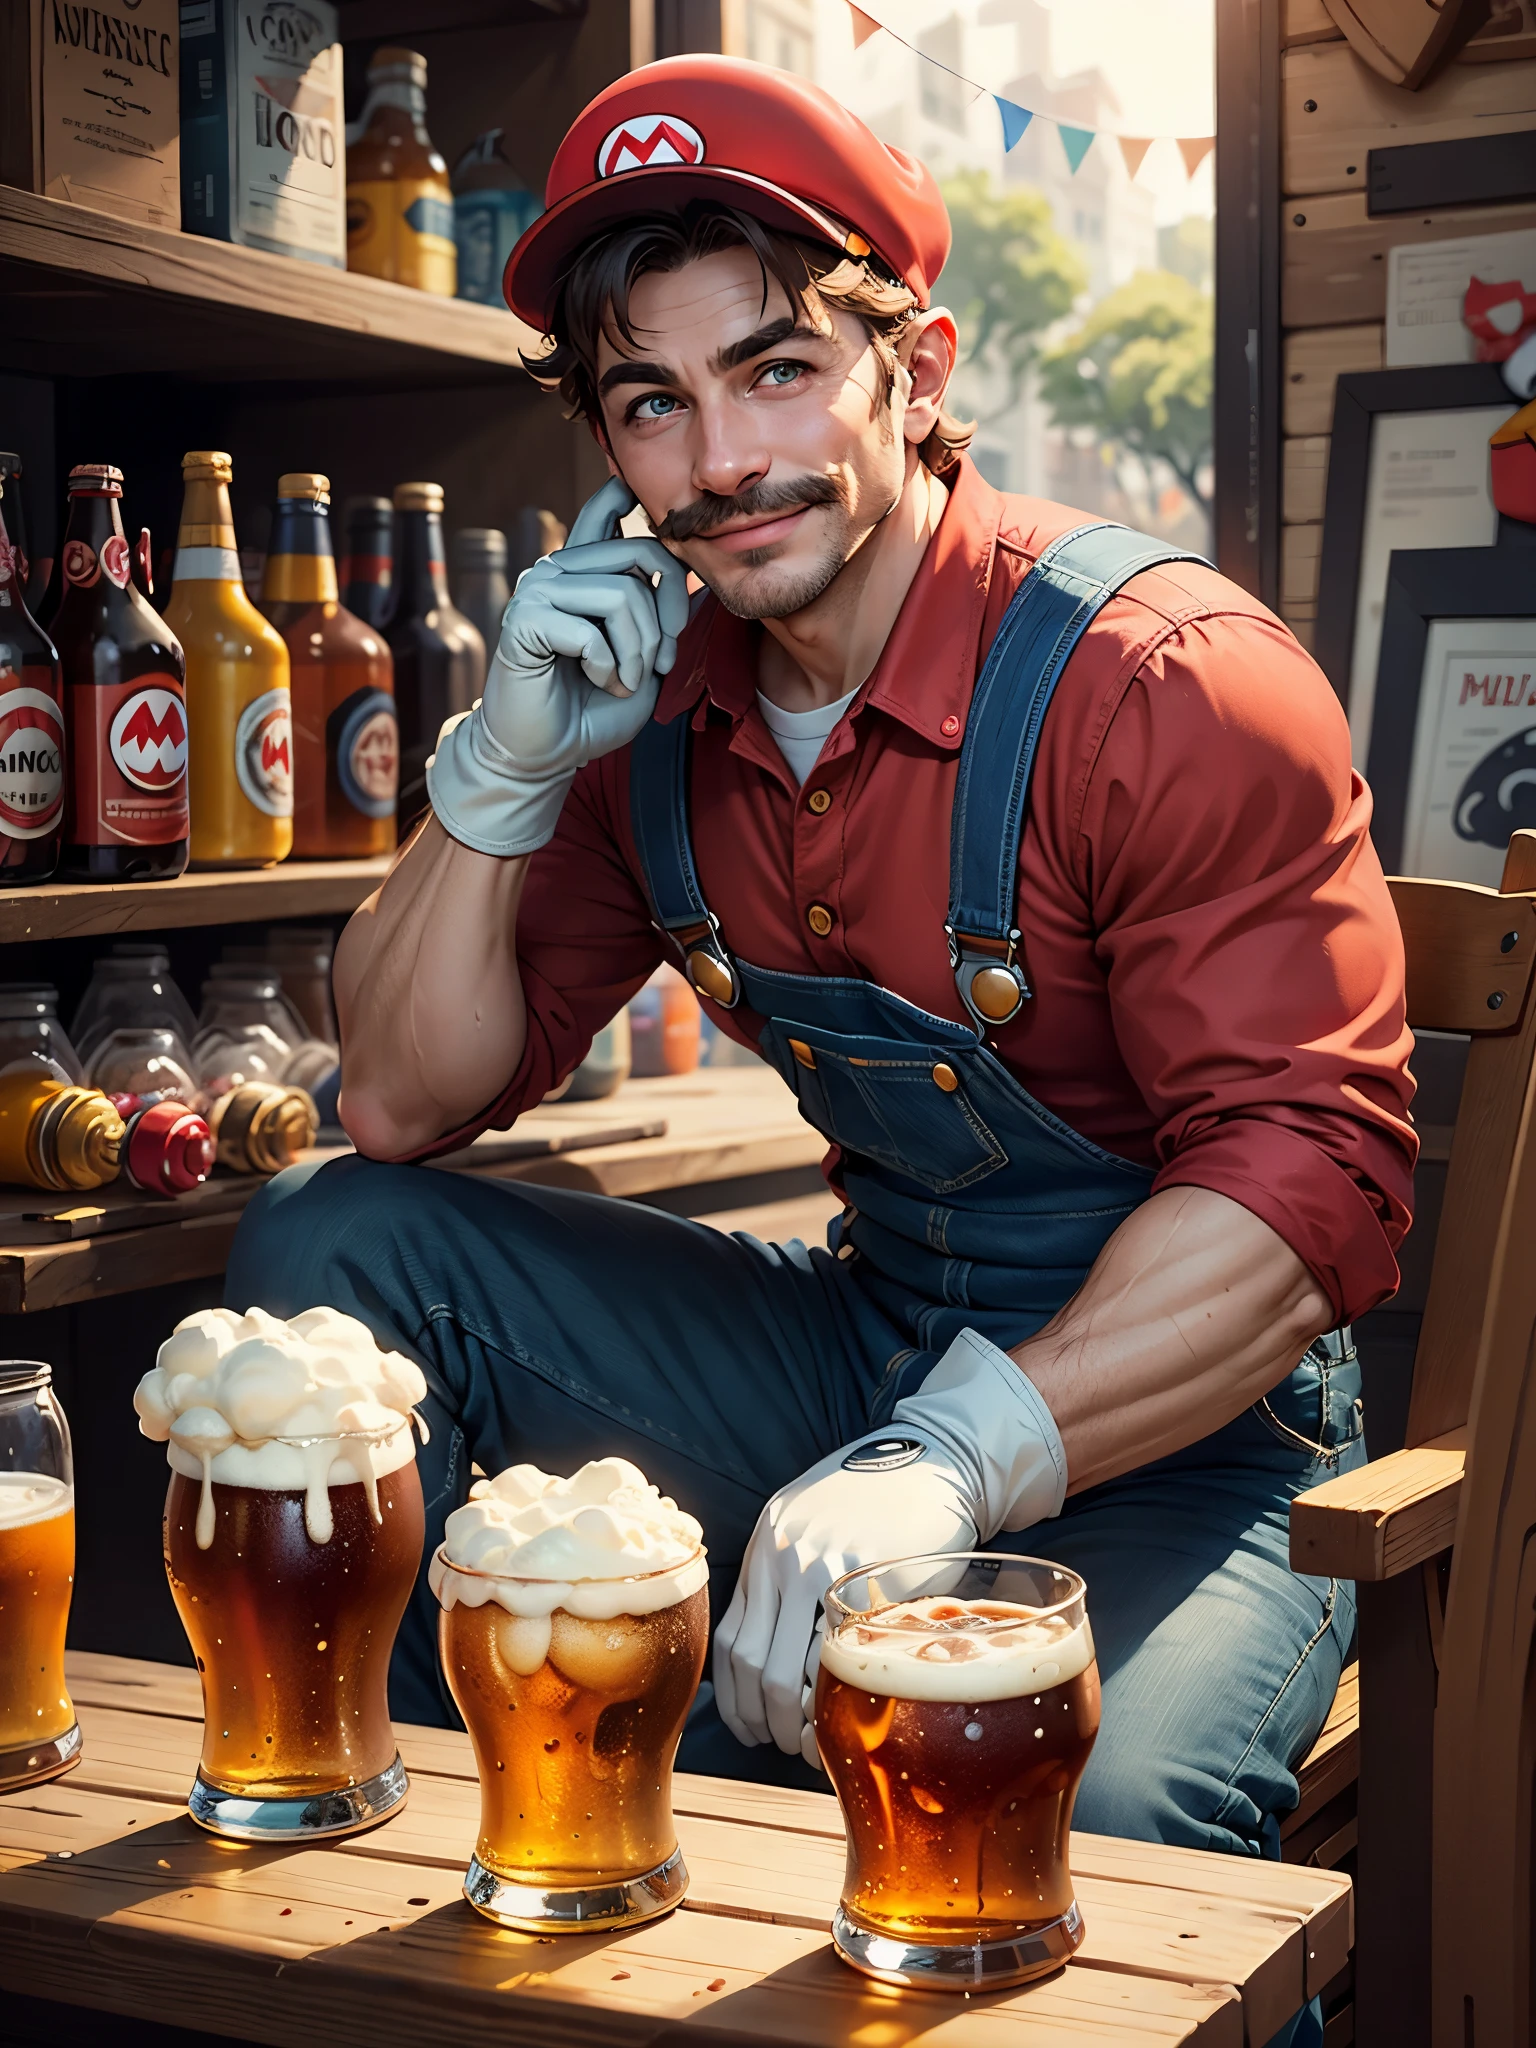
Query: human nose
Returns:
{"type": "Point", "coordinates": [730, 455]}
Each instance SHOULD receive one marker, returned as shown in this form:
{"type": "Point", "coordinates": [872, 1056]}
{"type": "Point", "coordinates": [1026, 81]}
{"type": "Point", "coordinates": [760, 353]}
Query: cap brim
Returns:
{"type": "Point", "coordinates": [536, 265]}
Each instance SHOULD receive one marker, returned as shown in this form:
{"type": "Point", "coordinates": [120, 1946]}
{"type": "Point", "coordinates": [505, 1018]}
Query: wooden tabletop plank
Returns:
{"type": "Point", "coordinates": [788, 1874]}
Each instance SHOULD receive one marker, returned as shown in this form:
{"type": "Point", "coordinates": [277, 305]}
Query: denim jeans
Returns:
{"type": "Point", "coordinates": [555, 1327]}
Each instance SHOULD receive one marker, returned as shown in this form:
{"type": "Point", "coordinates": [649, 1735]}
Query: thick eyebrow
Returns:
{"type": "Point", "coordinates": [773, 335]}
{"type": "Point", "coordinates": [628, 372]}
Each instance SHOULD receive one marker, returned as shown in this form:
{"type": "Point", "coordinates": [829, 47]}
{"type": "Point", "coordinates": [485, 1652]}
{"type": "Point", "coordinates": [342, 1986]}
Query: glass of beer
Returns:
{"type": "Point", "coordinates": [956, 1704]}
{"type": "Point", "coordinates": [574, 1690]}
{"type": "Point", "coordinates": [293, 1533]}
{"type": "Point", "coordinates": [39, 1736]}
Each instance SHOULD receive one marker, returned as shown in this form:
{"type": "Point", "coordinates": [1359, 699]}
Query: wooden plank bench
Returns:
{"type": "Point", "coordinates": [111, 1898]}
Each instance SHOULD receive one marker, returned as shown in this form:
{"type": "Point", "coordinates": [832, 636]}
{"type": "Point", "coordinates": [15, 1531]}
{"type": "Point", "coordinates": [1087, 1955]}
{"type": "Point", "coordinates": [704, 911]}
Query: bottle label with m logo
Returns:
{"type": "Point", "coordinates": [264, 753]}
{"type": "Point", "coordinates": [128, 769]}
{"type": "Point", "coordinates": [31, 762]}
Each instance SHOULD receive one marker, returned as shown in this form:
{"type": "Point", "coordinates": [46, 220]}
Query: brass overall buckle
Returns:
{"type": "Point", "coordinates": [991, 982]}
{"type": "Point", "coordinates": [706, 962]}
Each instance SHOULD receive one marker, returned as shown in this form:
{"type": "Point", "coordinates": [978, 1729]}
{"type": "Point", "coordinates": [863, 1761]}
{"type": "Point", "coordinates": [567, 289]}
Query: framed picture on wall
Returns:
{"type": "Point", "coordinates": [1452, 762]}
{"type": "Point", "coordinates": [1407, 469]}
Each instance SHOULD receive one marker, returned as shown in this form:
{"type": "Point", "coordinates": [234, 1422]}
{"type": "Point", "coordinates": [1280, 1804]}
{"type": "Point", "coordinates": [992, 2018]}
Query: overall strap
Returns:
{"type": "Point", "coordinates": [1051, 610]}
{"type": "Point", "coordinates": [658, 815]}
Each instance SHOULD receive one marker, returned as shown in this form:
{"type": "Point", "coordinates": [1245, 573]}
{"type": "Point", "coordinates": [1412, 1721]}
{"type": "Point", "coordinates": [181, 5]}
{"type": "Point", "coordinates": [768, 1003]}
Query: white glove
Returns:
{"type": "Point", "coordinates": [584, 644]}
{"type": "Point", "coordinates": [988, 1457]}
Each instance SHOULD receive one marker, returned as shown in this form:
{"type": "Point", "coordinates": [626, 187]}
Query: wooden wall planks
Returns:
{"type": "Point", "coordinates": [1334, 266]}
{"type": "Point", "coordinates": [1305, 478]}
{"type": "Point", "coordinates": [1333, 110]}
{"type": "Point", "coordinates": [1315, 359]}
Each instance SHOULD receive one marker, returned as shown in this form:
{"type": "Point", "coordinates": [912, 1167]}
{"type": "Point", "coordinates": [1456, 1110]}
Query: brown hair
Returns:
{"type": "Point", "coordinates": [594, 295]}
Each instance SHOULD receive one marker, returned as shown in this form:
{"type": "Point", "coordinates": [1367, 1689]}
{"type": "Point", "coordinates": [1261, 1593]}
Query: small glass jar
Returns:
{"type": "Point", "coordinates": [39, 1735]}
{"type": "Point", "coordinates": [31, 1034]}
{"type": "Point", "coordinates": [130, 987]}
{"type": "Point", "coordinates": [152, 1063]}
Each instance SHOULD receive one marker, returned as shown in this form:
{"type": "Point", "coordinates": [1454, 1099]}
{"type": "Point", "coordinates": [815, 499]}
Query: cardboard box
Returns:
{"type": "Point", "coordinates": [107, 94]}
{"type": "Point", "coordinates": [264, 158]}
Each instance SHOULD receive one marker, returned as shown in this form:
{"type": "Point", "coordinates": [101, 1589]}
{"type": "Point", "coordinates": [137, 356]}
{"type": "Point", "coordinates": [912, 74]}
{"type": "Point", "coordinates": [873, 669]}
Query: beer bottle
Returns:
{"type": "Point", "coordinates": [367, 570]}
{"type": "Point", "coordinates": [480, 588]}
{"type": "Point", "coordinates": [399, 200]}
{"type": "Point", "coordinates": [125, 713]}
{"type": "Point", "coordinates": [31, 720]}
{"type": "Point", "coordinates": [439, 655]}
{"type": "Point", "coordinates": [29, 572]}
{"type": "Point", "coordinates": [346, 745]}
{"type": "Point", "coordinates": [238, 706]}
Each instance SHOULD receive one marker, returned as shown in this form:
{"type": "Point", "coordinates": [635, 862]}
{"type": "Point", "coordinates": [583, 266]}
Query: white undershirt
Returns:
{"type": "Point", "coordinates": [801, 735]}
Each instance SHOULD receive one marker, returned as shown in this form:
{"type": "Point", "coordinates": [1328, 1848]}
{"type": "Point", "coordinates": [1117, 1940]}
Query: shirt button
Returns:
{"type": "Point", "coordinates": [819, 800]}
{"type": "Point", "coordinates": [945, 1077]}
{"type": "Point", "coordinates": [950, 726]}
{"type": "Point", "coordinates": [819, 918]}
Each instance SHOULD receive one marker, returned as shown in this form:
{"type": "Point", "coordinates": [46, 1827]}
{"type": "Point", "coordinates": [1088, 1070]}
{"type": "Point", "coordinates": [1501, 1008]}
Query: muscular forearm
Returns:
{"type": "Point", "coordinates": [428, 995]}
{"type": "Point", "coordinates": [1193, 1310]}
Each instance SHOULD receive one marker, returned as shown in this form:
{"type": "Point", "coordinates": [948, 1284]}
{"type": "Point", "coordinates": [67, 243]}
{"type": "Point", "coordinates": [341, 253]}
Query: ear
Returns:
{"type": "Point", "coordinates": [927, 352]}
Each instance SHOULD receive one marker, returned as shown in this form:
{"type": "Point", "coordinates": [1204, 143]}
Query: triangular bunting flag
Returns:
{"type": "Point", "coordinates": [1075, 141]}
{"type": "Point", "coordinates": [1195, 149]}
{"type": "Point", "coordinates": [864, 26]}
{"type": "Point", "coordinates": [1133, 148]}
{"type": "Point", "coordinates": [1015, 121]}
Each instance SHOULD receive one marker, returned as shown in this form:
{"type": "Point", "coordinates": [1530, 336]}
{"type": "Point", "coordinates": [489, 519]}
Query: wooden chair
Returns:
{"type": "Point", "coordinates": [1437, 1534]}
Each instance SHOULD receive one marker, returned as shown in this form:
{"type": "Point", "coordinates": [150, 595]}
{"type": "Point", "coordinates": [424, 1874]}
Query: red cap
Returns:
{"type": "Point", "coordinates": [168, 1149]}
{"type": "Point", "coordinates": [768, 142]}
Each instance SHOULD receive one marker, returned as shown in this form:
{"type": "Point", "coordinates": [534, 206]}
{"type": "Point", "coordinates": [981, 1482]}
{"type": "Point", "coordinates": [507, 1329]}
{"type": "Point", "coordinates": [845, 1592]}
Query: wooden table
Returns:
{"type": "Point", "coordinates": [111, 1898]}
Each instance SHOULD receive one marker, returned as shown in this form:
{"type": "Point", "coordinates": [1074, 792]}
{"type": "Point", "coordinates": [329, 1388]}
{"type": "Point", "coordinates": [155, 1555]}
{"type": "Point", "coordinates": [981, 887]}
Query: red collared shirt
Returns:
{"type": "Point", "coordinates": [1217, 968]}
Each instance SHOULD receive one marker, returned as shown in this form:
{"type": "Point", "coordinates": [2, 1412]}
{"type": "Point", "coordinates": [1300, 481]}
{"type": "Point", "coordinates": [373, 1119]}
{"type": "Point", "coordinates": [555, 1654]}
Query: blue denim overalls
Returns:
{"type": "Point", "coordinates": [969, 1203]}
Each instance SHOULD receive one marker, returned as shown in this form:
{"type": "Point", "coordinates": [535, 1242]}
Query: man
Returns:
{"type": "Point", "coordinates": [1068, 934]}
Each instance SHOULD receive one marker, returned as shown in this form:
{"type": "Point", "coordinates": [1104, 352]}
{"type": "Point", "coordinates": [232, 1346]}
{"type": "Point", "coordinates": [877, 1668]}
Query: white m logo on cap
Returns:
{"type": "Point", "coordinates": [646, 141]}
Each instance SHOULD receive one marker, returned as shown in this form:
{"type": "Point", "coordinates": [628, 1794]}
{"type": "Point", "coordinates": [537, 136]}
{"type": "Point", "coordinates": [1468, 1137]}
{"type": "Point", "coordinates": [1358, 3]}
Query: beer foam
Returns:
{"type": "Point", "coordinates": [966, 1651]}
{"type": "Point", "coordinates": [27, 1497]}
{"type": "Point", "coordinates": [292, 1406]}
{"type": "Point", "coordinates": [602, 1543]}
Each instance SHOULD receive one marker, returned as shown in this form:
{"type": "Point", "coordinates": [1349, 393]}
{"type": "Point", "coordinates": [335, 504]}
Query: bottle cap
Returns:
{"type": "Point", "coordinates": [366, 508]}
{"type": "Point", "coordinates": [480, 547]}
{"type": "Point", "coordinates": [418, 497]}
{"type": "Point", "coordinates": [207, 464]}
{"type": "Point", "coordinates": [305, 484]}
{"type": "Point", "coordinates": [394, 62]}
{"type": "Point", "coordinates": [95, 478]}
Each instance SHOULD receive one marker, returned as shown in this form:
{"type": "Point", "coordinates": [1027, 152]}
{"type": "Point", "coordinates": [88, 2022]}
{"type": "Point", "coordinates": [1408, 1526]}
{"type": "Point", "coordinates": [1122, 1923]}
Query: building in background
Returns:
{"type": "Point", "coordinates": [1041, 250]}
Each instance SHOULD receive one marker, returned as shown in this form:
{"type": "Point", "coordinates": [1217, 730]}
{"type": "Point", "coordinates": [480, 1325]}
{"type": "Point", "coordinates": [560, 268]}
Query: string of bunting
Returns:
{"type": "Point", "coordinates": [1076, 142]}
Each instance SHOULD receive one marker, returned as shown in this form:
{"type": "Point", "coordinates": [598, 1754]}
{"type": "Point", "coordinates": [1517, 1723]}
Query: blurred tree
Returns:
{"type": "Point", "coordinates": [1138, 369]}
{"type": "Point", "coordinates": [1009, 275]}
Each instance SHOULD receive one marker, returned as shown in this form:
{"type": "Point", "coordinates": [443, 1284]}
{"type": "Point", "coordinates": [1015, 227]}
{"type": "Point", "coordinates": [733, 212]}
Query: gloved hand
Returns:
{"type": "Point", "coordinates": [584, 644]}
{"type": "Point", "coordinates": [974, 1450]}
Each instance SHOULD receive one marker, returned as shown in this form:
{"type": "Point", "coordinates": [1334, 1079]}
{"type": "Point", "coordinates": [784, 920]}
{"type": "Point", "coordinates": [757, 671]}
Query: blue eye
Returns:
{"type": "Point", "coordinates": [782, 373]}
{"type": "Point", "coordinates": [658, 399]}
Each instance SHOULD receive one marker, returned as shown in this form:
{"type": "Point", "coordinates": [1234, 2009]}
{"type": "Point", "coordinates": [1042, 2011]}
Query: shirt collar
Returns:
{"type": "Point", "coordinates": [927, 670]}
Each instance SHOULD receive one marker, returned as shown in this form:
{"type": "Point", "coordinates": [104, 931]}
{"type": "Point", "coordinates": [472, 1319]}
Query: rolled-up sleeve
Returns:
{"type": "Point", "coordinates": [1254, 959]}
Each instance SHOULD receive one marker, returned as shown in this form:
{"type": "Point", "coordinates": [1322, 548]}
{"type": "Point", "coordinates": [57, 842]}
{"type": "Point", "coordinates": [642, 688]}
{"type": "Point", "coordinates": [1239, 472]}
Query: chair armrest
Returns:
{"type": "Point", "coordinates": [1387, 1516]}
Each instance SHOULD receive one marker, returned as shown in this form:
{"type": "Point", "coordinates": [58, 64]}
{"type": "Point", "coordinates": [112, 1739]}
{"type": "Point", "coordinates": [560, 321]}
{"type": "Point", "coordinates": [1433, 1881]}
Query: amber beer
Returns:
{"type": "Point", "coordinates": [292, 1639]}
{"type": "Point", "coordinates": [574, 1691]}
{"type": "Point", "coordinates": [956, 1706]}
{"type": "Point", "coordinates": [39, 1736]}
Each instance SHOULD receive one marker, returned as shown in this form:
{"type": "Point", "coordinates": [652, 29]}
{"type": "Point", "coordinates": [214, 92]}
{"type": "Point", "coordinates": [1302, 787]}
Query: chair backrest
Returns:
{"type": "Point", "coordinates": [1472, 969]}
{"type": "Point", "coordinates": [1485, 1706]}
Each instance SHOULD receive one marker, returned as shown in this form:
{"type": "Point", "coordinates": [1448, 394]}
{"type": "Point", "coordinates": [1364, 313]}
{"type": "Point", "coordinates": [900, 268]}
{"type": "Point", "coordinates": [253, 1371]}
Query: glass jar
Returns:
{"type": "Point", "coordinates": [150, 1062]}
{"type": "Point", "coordinates": [130, 986]}
{"type": "Point", "coordinates": [39, 1735]}
{"type": "Point", "coordinates": [31, 1034]}
{"type": "Point", "coordinates": [239, 994]}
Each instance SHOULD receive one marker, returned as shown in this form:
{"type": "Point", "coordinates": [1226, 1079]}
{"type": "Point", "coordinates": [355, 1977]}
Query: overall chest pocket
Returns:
{"type": "Point", "coordinates": [904, 1106]}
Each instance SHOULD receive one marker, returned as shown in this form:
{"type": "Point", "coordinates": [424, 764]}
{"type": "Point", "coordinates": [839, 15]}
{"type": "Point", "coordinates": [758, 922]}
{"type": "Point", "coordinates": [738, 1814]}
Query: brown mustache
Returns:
{"type": "Point", "coordinates": [756, 500]}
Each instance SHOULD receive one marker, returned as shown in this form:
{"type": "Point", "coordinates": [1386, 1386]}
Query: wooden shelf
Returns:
{"type": "Point", "coordinates": [686, 1131]}
{"type": "Point", "coordinates": [78, 910]}
{"type": "Point", "coordinates": [89, 295]}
